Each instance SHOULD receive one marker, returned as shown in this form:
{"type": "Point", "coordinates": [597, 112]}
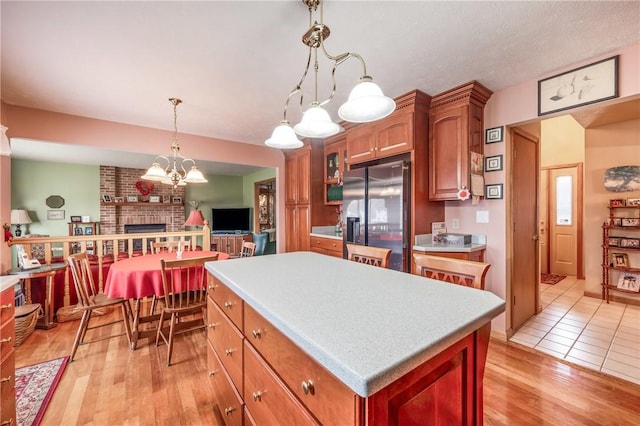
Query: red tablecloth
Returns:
{"type": "Point", "coordinates": [140, 276]}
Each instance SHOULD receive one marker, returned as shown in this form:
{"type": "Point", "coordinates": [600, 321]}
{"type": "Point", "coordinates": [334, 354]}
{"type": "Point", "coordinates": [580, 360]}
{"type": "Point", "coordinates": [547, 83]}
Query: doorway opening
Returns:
{"type": "Point", "coordinates": [265, 207]}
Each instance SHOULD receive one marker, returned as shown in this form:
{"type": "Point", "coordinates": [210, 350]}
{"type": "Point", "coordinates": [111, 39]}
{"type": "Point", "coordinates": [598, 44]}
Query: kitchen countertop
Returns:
{"type": "Point", "coordinates": [7, 281]}
{"type": "Point", "coordinates": [368, 326]}
{"type": "Point", "coordinates": [424, 243]}
{"type": "Point", "coordinates": [325, 232]}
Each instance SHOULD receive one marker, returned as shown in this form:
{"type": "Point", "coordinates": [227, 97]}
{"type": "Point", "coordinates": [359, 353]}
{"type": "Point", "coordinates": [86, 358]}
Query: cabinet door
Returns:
{"type": "Point", "coordinates": [291, 181]}
{"type": "Point", "coordinates": [298, 176]}
{"type": "Point", "coordinates": [297, 222]}
{"type": "Point", "coordinates": [448, 151]}
{"type": "Point", "coordinates": [361, 144]}
{"type": "Point", "coordinates": [394, 135]}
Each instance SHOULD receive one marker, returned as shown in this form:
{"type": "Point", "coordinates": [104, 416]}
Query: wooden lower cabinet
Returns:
{"type": "Point", "coordinates": [229, 243]}
{"type": "Point", "coordinates": [281, 384]}
{"type": "Point", "coordinates": [476, 255]}
{"type": "Point", "coordinates": [328, 246]}
{"type": "Point", "coordinates": [7, 358]}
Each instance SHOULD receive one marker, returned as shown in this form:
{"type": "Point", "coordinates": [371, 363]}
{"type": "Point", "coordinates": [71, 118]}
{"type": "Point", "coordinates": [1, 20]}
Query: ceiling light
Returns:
{"type": "Point", "coordinates": [366, 102]}
{"type": "Point", "coordinates": [174, 172]}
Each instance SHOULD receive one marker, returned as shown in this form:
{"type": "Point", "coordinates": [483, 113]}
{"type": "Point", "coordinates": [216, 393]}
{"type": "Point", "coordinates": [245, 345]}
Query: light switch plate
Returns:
{"type": "Point", "coordinates": [455, 224]}
{"type": "Point", "coordinates": [482, 216]}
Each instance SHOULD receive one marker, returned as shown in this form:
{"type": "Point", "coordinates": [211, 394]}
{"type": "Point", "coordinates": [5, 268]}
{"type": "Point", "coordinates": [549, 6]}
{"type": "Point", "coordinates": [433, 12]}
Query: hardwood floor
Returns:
{"type": "Point", "coordinates": [109, 385]}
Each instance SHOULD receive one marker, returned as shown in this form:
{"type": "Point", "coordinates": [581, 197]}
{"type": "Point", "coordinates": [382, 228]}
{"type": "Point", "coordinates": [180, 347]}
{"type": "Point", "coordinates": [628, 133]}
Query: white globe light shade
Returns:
{"type": "Point", "coordinates": [283, 137]}
{"type": "Point", "coordinates": [366, 103]}
{"type": "Point", "coordinates": [316, 123]}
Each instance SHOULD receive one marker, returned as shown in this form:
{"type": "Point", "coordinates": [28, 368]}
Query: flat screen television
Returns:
{"type": "Point", "coordinates": [231, 219]}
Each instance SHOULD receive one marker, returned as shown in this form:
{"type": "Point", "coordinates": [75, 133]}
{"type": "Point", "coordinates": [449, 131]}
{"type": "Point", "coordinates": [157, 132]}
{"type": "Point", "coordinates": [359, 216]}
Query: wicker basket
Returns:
{"type": "Point", "coordinates": [26, 317]}
{"type": "Point", "coordinates": [72, 313]}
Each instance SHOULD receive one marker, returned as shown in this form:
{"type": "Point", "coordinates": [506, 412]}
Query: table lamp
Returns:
{"type": "Point", "coordinates": [195, 219]}
{"type": "Point", "coordinates": [19, 217]}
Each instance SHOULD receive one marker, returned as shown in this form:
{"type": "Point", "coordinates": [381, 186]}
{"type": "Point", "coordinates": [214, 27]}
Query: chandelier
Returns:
{"type": "Point", "coordinates": [366, 101]}
{"type": "Point", "coordinates": [174, 172]}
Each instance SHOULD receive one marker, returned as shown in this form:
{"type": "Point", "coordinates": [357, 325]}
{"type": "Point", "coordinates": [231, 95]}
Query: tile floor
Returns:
{"type": "Point", "coordinates": [585, 330]}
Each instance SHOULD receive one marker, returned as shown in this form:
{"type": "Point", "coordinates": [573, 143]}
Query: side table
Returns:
{"type": "Point", "coordinates": [47, 272]}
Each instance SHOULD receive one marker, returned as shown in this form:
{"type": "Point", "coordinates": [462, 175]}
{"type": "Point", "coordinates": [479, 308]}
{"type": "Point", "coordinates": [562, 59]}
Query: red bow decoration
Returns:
{"type": "Point", "coordinates": [144, 188]}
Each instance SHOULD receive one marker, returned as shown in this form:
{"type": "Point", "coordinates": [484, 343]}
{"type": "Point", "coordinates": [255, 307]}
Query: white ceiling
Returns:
{"type": "Point", "coordinates": [233, 63]}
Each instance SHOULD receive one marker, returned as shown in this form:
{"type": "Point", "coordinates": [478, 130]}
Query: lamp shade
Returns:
{"type": "Point", "coordinates": [366, 103]}
{"type": "Point", "coordinates": [195, 219]}
{"type": "Point", "coordinates": [283, 137]}
{"type": "Point", "coordinates": [195, 176]}
{"type": "Point", "coordinates": [316, 123]}
{"type": "Point", "coordinates": [20, 217]}
{"type": "Point", "coordinates": [155, 173]}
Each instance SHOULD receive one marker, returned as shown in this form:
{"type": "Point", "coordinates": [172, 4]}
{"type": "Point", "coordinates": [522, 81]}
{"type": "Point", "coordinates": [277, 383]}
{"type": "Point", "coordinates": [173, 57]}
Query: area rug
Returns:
{"type": "Point", "coordinates": [551, 278]}
{"type": "Point", "coordinates": [35, 385]}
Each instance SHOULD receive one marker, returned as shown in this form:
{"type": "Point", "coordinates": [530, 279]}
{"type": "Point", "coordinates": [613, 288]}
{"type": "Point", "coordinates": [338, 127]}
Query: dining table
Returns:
{"type": "Point", "coordinates": [140, 277]}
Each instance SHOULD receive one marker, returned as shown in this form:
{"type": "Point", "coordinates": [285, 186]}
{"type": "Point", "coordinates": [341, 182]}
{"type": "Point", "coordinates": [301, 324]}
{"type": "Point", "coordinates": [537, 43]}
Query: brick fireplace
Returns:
{"type": "Point", "coordinates": [121, 182]}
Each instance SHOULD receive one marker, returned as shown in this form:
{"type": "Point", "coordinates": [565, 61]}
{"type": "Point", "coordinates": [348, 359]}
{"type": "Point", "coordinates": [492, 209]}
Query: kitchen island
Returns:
{"type": "Point", "coordinates": [307, 338]}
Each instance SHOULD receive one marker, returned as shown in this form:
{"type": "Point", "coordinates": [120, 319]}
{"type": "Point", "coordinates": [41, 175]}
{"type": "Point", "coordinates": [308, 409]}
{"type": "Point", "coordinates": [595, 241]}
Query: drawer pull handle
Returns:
{"type": "Point", "coordinates": [7, 306]}
{"type": "Point", "coordinates": [212, 325]}
{"type": "Point", "coordinates": [256, 333]}
{"type": "Point", "coordinates": [212, 287]}
{"type": "Point", "coordinates": [5, 379]}
{"type": "Point", "coordinates": [229, 352]}
{"type": "Point", "coordinates": [213, 373]}
{"type": "Point", "coordinates": [7, 340]}
{"type": "Point", "coordinates": [257, 396]}
{"type": "Point", "coordinates": [228, 305]}
{"type": "Point", "coordinates": [228, 410]}
{"type": "Point", "coordinates": [308, 388]}
{"type": "Point", "coordinates": [7, 422]}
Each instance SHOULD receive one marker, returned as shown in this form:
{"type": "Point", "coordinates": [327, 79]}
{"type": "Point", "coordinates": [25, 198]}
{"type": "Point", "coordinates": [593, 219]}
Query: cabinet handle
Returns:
{"type": "Point", "coordinates": [308, 388]}
{"type": "Point", "coordinates": [228, 410]}
{"type": "Point", "coordinates": [212, 325]}
{"type": "Point", "coordinates": [7, 422]}
{"type": "Point", "coordinates": [213, 373]}
{"type": "Point", "coordinates": [212, 287]}
{"type": "Point", "coordinates": [228, 305]}
{"type": "Point", "coordinates": [229, 352]}
{"type": "Point", "coordinates": [257, 396]}
{"type": "Point", "coordinates": [5, 379]}
{"type": "Point", "coordinates": [7, 306]}
{"type": "Point", "coordinates": [256, 333]}
{"type": "Point", "coordinates": [7, 340]}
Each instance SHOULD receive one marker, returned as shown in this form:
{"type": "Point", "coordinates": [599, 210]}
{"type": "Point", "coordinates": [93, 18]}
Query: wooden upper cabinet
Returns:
{"type": "Point", "coordinates": [335, 163]}
{"type": "Point", "coordinates": [456, 123]}
{"type": "Point", "coordinates": [298, 176]}
{"type": "Point", "coordinates": [389, 136]}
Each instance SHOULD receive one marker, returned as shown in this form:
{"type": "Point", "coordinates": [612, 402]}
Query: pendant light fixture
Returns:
{"type": "Point", "coordinates": [366, 101]}
{"type": "Point", "coordinates": [174, 172]}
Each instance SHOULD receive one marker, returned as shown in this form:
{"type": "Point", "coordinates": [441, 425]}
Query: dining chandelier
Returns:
{"type": "Point", "coordinates": [366, 101]}
{"type": "Point", "coordinates": [174, 172]}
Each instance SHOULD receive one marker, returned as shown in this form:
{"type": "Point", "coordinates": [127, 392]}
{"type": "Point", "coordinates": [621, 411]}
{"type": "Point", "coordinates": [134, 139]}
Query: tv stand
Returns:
{"type": "Point", "coordinates": [230, 243]}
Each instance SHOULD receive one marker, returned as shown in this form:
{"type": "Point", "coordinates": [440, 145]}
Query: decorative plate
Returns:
{"type": "Point", "coordinates": [55, 201]}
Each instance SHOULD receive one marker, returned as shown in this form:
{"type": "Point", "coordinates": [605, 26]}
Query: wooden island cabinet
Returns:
{"type": "Point", "coordinates": [7, 352]}
{"type": "Point", "coordinates": [317, 351]}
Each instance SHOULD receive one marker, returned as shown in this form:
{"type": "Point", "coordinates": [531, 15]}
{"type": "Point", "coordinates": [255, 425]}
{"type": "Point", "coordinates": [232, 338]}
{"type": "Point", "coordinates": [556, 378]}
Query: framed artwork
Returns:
{"type": "Point", "coordinates": [633, 201]}
{"type": "Point", "coordinates": [154, 199]}
{"type": "Point", "coordinates": [614, 242]}
{"type": "Point", "coordinates": [620, 260]}
{"type": "Point", "coordinates": [118, 199]}
{"type": "Point", "coordinates": [493, 135]}
{"type": "Point", "coordinates": [88, 230]}
{"type": "Point", "coordinates": [630, 282]}
{"type": "Point", "coordinates": [616, 221]}
{"type": "Point", "coordinates": [581, 86]}
{"type": "Point", "coordinates": [55, 214]}
{"type": "Point", "coordinates": [617, 203]}
{"type": "Point", "coordinates": [106, 198]}
{"type": "Point", "coordinates": [630, 242]}
{"type": "Point", "coordinates": [76, 218]}
{"type": "Point", "coordinates": [77, 231]}
{"type": "Point", "coordinates": [492, 164]}
{"type": "Point", "coordinates": [54, 201]}
{"type": "Point", "coordinates": [630, 221]}
{"type": "Point", "coordinates": [493, 192]}
{"type": "Point", "coordinates": [166, 199]}
{"type": "Point", "coordinates": [132, 198]}
{"type": "Point", "coordinates": [176, 200]}
{"type": "Point", "coordinates": [476, 163]}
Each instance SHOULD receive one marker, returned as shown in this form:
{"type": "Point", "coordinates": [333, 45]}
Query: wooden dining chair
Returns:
{"type": "Point", "coordinates": [457, 271]}
{"type": "Point", "coordinates": [248, 249]}
{"type": "Point", "coordinates": [169, 246]}
{"type": "Point", "coordinates": [185, 298]}
{"type": "Point", "coordinates": [91, 299]}
{"type": "Point", "coordinates": [376, 256]}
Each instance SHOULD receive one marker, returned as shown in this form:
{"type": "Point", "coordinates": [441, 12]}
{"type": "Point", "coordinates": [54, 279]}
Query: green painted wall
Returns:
{"type": "Point", "coordinates": [33, 181]}
{"type": "Point", "coordinates": [220, 191]}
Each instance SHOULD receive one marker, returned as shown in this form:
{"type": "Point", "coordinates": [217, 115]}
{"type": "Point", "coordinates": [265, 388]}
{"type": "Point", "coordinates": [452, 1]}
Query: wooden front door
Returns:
{"type": "Point", "coordinates": [524, 231]}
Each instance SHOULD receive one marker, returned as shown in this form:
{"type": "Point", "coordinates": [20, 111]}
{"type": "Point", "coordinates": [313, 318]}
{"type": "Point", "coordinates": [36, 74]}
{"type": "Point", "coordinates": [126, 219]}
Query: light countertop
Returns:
{"type": "Point", "coordinates": [368, 326]}
{"type": "Point", "coordinates": [325, 232]}
{"type": "Point", "coordinates": [7, 281]}
{"type": "Point", "coordinates": [424, 243]}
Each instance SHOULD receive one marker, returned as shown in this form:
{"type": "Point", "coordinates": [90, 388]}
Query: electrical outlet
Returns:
{"type": "Point", "coordinates": [455, 223]}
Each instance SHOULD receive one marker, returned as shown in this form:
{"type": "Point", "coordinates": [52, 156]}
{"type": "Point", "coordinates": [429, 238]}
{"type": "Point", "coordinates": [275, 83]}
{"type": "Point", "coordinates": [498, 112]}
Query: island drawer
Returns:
{"type": "Point", "coordinates": [226, 299]}
{"type": "Point", "coordinates": [268, 400]}
{"type": "Point", "coordinates": [227, 342]}
{"type": "Point", "coordinates": [7, 308]}
{"type": "Point", "coordinates": [331, 401]}
{"type": "Point", "coordinates": [229, 402]}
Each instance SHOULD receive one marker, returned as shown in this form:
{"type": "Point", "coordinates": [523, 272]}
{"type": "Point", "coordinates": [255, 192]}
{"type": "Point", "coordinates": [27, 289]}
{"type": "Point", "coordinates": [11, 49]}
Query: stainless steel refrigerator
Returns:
{"type": "Point", "coordinates": [376, 209]}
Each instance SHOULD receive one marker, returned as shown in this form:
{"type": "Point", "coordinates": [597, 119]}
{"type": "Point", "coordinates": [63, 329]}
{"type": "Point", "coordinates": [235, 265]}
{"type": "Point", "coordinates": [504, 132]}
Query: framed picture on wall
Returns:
{"type": "Point", "coordinates": [493, 192]}
{"type": "Point", "coordinates": [493, 163]}
{"type": "Point", "coordinates": [493, 135]}
{"type": "Point", "coordinates": [176, 200]}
